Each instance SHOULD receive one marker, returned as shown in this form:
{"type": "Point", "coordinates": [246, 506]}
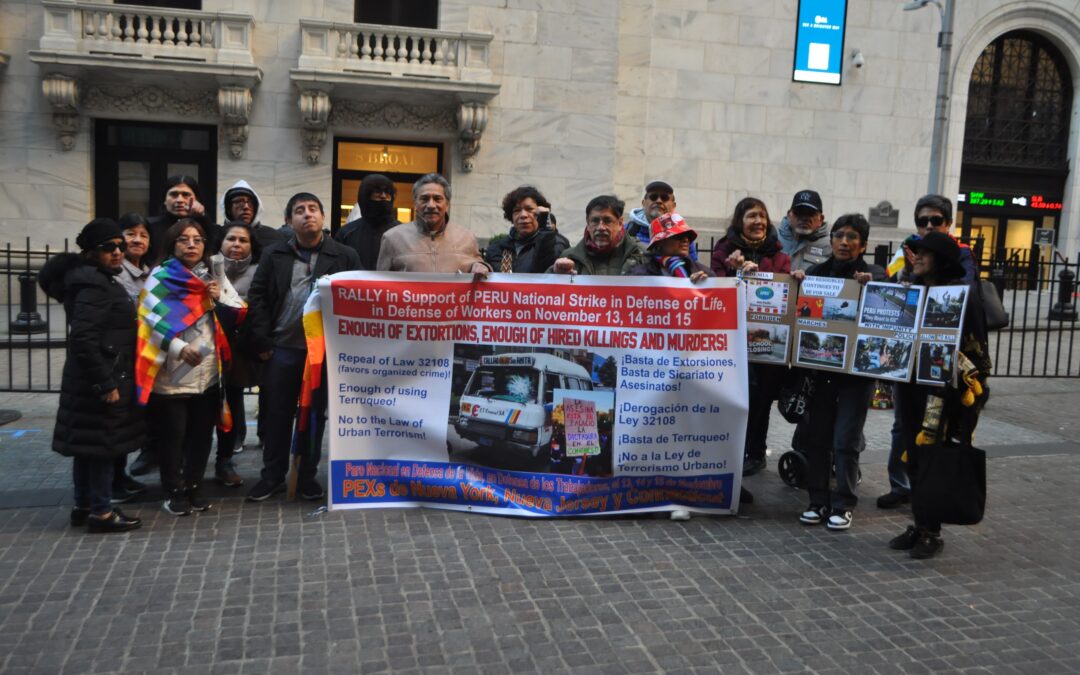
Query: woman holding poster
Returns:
{"type": "Point", "coordinates": [935, 417]}
{"type": "Point", "coordinates": [752, 244]}
{"type": "Point", "coordinates": [831, 431]}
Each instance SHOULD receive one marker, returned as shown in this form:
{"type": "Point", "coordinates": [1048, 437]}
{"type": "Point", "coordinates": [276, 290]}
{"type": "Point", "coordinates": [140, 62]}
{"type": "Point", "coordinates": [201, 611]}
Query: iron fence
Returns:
{"type": "Point", "coordinates": [1038, 292]}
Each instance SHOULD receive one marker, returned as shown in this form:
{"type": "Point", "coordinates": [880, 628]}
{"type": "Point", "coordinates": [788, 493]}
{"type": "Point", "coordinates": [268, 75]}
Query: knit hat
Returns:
{"type": "Point", "coordinates": [97, 231]}
{"type": "Point", "coordinates": [946, 253]}
{"type": "Point", "coordinates": [669, 225]}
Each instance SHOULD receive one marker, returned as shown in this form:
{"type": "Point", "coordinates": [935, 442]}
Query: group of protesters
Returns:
{"type": "Point", "coordinates": [181, 315]}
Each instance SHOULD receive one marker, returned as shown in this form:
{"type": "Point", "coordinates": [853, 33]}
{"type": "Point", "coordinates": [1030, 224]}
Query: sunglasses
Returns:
{"type": "Point", "coordinates": [932, 221]}
{"type": "Point", "coordinates": [112, 246]}
{"type": "Point", "coordinates": [659, 196]}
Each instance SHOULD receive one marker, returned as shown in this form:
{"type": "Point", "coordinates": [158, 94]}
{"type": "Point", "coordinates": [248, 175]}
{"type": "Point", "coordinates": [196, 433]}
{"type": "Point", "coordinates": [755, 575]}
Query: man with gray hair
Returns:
{"type": "Point", "coordinates": [431, 243]}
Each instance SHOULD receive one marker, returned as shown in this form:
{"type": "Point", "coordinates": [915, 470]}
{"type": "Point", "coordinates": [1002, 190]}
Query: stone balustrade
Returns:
{"type": "Point", "coordinates": [395, 50]}
{"type": "Point", "coordinates": [146, 32]}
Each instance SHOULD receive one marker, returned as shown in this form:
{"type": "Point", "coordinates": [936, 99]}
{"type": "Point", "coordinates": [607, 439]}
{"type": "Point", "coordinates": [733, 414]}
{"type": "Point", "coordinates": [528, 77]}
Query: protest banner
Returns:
{"type": "Point", "coordinates": [825, 323]}
{"type": "Point", "coordinates": [888, 316]}
{"type": "Point", "coordinates": [534, 395]}
{"type": "Point", "coordinates": [770, 312]}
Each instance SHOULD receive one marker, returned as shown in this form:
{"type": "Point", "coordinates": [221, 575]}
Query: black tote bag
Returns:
{"type": "Point", "coordinates": [950, 486]}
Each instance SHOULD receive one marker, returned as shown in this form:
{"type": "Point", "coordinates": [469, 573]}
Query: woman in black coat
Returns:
{"type": "Point", "coordinates": [96, 421]}
{"type": "Point", "coordinates": [533, 243]}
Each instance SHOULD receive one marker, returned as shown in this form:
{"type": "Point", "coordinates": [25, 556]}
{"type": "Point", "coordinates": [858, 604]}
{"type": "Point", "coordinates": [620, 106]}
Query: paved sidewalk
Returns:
{"type": "Point", "coordinates": [268, 588]}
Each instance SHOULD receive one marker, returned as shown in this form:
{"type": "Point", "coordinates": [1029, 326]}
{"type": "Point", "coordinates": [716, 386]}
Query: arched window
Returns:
{"type": "Point", "coordinates": [1018, 105]}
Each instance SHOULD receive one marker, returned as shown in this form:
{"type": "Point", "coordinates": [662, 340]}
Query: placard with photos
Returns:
{"type": "Point", "coordinates": [770, 308]}
{"type": "Point", "coordinates": [939, 334]}
{"type": "Point", "coordinates": [825, 323]}
{"type": "Point", "coordinates": [889, 315]}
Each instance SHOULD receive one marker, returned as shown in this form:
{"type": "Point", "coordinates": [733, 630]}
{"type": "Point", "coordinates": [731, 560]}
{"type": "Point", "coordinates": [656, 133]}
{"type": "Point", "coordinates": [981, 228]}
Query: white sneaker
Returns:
{"type": "Point", "coordinates": [813, 515]}
{"type": "Point", "coordinates": [680, 514]}
{"type": "Point", "coordinates": [841, 520]}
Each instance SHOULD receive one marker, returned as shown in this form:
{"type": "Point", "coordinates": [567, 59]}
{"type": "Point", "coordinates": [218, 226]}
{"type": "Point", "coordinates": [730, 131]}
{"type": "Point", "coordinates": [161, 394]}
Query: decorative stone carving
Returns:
{"type": "Point", "coordinates": [366, 115]}
{"type": "Point", "coordinates": [471, 119]}
{"type": "Point", "coordinates": [202, 104]}
{"type": "Point", "coordinates": [234, 104]}
{"type": "Point", "coordinates": [314, 115]}
{"type": "Point", "coordinates": [884, 214]}
{"type": "Point", "coordinates": [63, 95]}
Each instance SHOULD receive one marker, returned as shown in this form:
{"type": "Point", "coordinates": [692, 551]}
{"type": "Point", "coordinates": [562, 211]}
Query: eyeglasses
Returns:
{"type": "Point", "coordinates": [846, 236]}
{"type": "Point", "coordinates": [190, 241]}
{"type": "Point", "coordinates": [934, 221]}
{"type": "Point", "coordinates": [606, 221]}
{"type": "Point", "coordinates": [112, 246]}
{"type": "Point", "coordinates": [659, 196]}
{"type": "Point", "coordinates": [241, 201]}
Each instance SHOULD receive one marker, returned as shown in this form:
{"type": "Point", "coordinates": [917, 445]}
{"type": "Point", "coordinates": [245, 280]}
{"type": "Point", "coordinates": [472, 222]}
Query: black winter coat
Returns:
{"type": "Point", "coordinates": [273, 281]}
{"type": "Point", "coordinates": [100, 358]}
{"type": "Point", "coordinates": [533, 256]}
{"type": "Point", "coordinates": [364, 235]}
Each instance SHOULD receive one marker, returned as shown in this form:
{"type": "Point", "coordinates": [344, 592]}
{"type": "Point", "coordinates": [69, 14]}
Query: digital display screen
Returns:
{"type": "Point", "coordinates": [819, 41]}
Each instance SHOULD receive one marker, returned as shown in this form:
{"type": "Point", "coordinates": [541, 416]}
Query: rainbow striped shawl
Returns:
{"type": "Point", "coordinates": [316, 355]}
{"type": "Point", "coordinates": [172, 300]}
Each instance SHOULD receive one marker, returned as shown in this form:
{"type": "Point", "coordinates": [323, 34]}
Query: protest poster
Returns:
{"type": "Point", "coordinates": [885, 345]}
{"type": "Point", "coordinates": [939, 334]}
{"type": "Point", "coordinates": [770, 309]}
{"type": "Point", "coordinates": [825, 327]}
{"type": "Point", "coordinates": [534, 395]}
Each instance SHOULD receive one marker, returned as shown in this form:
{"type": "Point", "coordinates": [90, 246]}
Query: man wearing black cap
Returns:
{"type": "Point", "coordinates": [659, 199]}
{"type": "Point", "coordinates": [377, 215]}
{"type": "Point", "coordinates": [803, 233]}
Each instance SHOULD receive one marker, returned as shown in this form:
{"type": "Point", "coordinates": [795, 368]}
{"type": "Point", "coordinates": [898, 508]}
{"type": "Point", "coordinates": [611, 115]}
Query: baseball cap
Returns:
{"type": "Point", "coordinates": [659, 186]}
{"type": "Point", "coordinates": [806, 199]}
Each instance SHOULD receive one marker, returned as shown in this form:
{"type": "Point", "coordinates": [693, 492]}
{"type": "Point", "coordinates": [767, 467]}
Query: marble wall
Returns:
{"type": "Point", "coordinates": [597, 96]}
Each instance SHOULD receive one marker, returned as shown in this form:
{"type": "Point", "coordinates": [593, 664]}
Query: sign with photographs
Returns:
{"type": "Point", "coordinates": [939, 334]}
{"type": "Point", "coordinates": [885, 343]}
{"type": "Point", "coordinates": [770, 308]}
{"type": "Point", "coordinates": [825, 323]}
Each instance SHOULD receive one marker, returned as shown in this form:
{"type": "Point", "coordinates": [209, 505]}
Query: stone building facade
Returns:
{"type": "Point", "coordinates": [578, 97]}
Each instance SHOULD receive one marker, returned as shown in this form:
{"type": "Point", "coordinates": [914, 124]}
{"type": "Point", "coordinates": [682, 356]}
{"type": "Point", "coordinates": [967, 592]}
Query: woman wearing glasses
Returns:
{"type": "Point", "coordinates": [96, 421]}
{"type": "Point", "coordinates": [179, 366]}
{"type": "Point", "coordinates": [832, 428]}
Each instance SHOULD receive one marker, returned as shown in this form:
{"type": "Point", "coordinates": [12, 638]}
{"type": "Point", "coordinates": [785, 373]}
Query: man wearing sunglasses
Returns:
{"type": "Point", "coordinates": [659, 199]}
{"type": "Point", "coordinates": [933, 213]}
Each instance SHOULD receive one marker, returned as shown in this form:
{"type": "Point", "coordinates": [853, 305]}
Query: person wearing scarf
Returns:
{"type": "Point", "coordinates": [669, 256]}
{"type": "Point", "coordinates": [181, 353]}
{"type": "Point", "coordinates": [377, 215]}
{"type": "Point", "coordinates": [532, 244]}
{"type": "Point", "coordinates": [937, 260]}
{"type": "Point", "coordinates": [752, 244]}
{"type": "Point", "coordinates": [831, 431]}
{"type": "Point", "coordinates": [604, 249]}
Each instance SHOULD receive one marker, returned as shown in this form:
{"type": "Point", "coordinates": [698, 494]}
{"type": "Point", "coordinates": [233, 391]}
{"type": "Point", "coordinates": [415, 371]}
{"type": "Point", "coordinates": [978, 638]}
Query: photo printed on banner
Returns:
{"type": "Point", "coordinates": [767, 343]}
{"type": "Point", "coordinates": [822, 349]}
{"type": "Point", "coordinates": [936, 362]}
{"type": "Point", "coordinates": [887, 358]}
{"type": "Point", "coordinates": [891, 307]}
{"type": "Point", "coordinates": [765, 296]}
{"type": "Point", "coordinates": [944, 306]}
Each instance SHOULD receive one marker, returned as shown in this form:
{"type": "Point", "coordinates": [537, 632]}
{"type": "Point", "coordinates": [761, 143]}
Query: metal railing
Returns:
{"type": "Point", "coordinates": [33, 335]}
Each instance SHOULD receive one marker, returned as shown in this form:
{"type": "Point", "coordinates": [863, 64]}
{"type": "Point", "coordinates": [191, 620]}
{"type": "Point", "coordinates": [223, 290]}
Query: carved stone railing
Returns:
{"type": "Point", "coordinates": [419, 65]}
{"type": "Point", "coordinates": [92, 41]}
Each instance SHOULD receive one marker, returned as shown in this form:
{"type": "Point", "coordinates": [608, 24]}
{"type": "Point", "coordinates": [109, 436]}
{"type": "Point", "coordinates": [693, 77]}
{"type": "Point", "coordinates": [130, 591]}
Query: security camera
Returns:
{"type": "Point", "coordinates": [857, 59]}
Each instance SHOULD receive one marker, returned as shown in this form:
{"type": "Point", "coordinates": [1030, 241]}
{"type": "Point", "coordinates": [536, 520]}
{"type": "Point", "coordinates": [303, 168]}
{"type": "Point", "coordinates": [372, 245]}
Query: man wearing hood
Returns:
{"type": "Point", "coordinates": [804, 234]}
{"type": "Point", "coordinates": [375, 200]}
{"type": "Point", "coordinates": [659, 199]}
{"type": "Point", "coordinates": [241, 203]}
{"type": "Point", "coordinates": [605, 248]}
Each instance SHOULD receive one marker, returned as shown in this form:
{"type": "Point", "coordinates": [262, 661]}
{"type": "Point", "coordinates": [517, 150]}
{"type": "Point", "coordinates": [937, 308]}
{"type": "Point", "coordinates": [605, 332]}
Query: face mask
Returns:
{"type": "Point", "coordinates": [377, 210]}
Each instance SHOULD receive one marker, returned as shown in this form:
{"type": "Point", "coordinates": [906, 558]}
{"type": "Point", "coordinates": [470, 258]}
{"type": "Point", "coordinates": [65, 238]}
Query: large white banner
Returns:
{"type": "Point", "coordinates": [451, 393]}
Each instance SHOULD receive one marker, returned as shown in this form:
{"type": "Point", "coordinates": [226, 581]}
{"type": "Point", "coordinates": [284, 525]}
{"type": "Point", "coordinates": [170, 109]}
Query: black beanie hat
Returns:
{"type": "Point", "coordinates": [97, 231]}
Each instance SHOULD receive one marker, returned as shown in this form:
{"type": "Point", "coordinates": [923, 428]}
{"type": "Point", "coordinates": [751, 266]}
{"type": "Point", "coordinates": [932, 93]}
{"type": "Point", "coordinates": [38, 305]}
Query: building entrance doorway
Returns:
{"type": "Point", "coordinates": [400, 161]}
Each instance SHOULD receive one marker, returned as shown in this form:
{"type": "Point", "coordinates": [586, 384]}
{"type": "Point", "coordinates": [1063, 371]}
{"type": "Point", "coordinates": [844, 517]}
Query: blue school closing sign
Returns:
{"type": "Point", "coordinates": [819, 41]}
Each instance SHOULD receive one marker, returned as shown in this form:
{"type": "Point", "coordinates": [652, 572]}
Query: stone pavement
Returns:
{"type": "Point", "coordinates": [272, 588]}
